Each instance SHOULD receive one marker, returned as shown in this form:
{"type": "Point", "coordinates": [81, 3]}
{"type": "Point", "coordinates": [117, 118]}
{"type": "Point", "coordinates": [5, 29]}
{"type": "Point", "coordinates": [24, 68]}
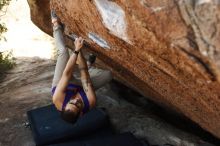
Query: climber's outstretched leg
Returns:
{"type": "Point", "coordinates": [63, 54]}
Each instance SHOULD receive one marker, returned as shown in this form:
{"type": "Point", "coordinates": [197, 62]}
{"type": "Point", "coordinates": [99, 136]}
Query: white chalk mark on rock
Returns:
{"type": "Point", "coordinates": [113, 18]}
{"type": "Point", "coordinates": [156, 9]}
{"type": "Point", "coordinates": [200, 2]}
{"type": "Point", "coordinates": [153, 9]}
{"type": "Point", "coordinates": [4, 120]}
{"type": "Point", "coordinates": [98, 40]}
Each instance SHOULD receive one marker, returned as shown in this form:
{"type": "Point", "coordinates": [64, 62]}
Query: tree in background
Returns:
{"type": "Point", "coordinates": [5, 58]}
{"type": "Point", "coordinates": [2, 26]}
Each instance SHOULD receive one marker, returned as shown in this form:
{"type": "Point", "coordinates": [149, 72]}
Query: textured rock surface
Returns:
{"type": "Point", "coordinates": [166, 50]}
{"type": "Point", "coordinates": [40, 14]}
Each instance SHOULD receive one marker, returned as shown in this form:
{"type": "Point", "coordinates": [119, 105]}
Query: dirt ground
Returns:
{"type": "Point", "coordinates": [25, 87]}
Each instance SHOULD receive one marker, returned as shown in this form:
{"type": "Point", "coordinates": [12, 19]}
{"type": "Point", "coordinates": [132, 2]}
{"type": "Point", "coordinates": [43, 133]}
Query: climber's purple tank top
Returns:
{"type": "Point", "coordinates": [72, 90]}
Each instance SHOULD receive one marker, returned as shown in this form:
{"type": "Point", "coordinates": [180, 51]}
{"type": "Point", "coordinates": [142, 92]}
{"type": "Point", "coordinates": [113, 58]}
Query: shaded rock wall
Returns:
{"type": "Point", "coordinates": [166, 50]}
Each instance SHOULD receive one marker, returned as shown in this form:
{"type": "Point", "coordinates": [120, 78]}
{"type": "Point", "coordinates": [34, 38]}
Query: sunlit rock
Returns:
{"type": "Point", "coordinates": [166, 50]}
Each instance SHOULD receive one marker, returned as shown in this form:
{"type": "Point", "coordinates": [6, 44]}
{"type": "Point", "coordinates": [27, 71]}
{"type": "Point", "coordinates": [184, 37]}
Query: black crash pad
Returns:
{"type": "Point", "coordinates": [125, 139]}
{"type": "Point", "coordinates": [48, 127]}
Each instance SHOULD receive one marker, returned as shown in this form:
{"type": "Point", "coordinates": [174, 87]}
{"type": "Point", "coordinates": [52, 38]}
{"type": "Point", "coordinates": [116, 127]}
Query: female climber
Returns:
{"type": "Point", "coordinates": [71, 97]}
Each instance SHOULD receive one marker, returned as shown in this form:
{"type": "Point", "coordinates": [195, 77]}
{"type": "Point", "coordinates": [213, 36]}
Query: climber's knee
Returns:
{"type": "Point", "coordinates": [57, 27]}
{"type": "Point", "coordinates": [63, 51]}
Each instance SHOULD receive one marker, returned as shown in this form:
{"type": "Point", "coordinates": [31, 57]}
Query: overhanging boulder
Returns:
{"type": "Point", "coordinates": [166, 50]}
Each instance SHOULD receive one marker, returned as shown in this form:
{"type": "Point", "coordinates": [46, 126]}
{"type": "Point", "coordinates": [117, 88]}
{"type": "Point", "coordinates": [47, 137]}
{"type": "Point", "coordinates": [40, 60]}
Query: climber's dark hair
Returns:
{"type": "Point", "coordinates": [70, 116]}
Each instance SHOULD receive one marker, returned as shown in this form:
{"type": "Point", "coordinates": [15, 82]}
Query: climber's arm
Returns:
{"type": "Point", "coordinates": [59, 94]}
{"type": "Point", "coordinates": [86, 80]}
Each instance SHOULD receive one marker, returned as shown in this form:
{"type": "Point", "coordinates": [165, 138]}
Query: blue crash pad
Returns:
{"type": "Point", "coordinates": [48, 127]}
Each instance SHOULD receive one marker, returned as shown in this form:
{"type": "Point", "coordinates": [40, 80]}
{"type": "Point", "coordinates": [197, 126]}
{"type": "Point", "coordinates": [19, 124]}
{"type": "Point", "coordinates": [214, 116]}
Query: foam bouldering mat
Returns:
{"type": "Point", "coordinates": [48, 127]}
{"type": "Point", "coordinates": [124, 139]}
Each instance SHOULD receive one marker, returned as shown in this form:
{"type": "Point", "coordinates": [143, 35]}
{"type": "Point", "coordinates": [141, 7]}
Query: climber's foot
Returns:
{"type": "Point", "coordinates": [56, 21]}
{"type": "Point", "coordinates": [54, 18]}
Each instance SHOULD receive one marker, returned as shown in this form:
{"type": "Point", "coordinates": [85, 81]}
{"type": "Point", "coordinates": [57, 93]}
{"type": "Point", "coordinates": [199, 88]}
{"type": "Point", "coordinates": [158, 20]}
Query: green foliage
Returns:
{"type": "Point", "coordinates": [3, 29]}
{"type": "Point", "coordinates": [2, 26]}
{"type": "Point", "coordinates": [6, 61]}
{"type": "Point", "coordinates": [3, 3]}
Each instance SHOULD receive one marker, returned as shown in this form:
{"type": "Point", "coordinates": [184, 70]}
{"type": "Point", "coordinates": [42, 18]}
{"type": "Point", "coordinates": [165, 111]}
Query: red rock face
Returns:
{"type": "Point", "coordinates": [166, 50]}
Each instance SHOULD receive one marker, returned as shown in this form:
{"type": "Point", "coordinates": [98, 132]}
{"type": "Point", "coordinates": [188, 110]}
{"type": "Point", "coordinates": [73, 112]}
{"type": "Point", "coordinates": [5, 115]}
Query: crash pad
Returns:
{"type": "Point", "coordinates": [48, 127]}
